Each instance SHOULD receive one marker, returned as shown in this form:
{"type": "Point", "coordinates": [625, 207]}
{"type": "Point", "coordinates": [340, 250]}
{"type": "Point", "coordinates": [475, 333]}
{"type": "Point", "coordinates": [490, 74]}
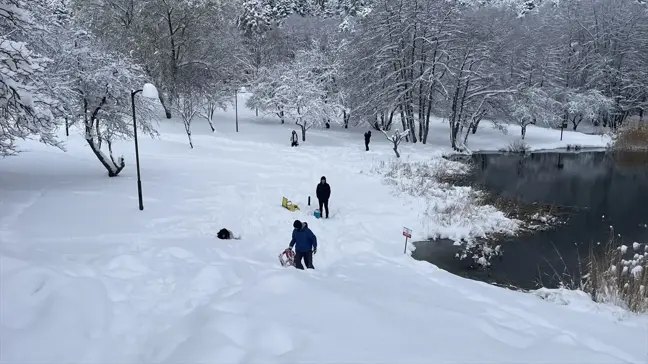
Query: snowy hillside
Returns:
{"type": "Point", "coordinates": [88, 278]}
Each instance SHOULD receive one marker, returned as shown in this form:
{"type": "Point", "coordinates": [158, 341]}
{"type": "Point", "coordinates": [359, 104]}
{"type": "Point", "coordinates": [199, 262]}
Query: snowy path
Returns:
{"type": "Point", "coordinates": [87, 278]}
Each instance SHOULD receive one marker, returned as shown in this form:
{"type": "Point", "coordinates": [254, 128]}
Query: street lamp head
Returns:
{"type": "Point", "coordinates": [149, 91]}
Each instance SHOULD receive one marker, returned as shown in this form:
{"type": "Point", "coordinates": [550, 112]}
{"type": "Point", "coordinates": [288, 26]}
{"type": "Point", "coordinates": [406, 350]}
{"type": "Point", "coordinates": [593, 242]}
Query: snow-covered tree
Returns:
{"type": "Point", "coordinates": [264, 92]}
{"type": "Point", "coordinates": [188, 106]}
{"type": "Point", "coordinates": [297, 91]}
{"type": "Point", "coordinates": [97, 85]}
{"type": "Point", "coordinates": [407, 60]}
{"type": "Point", "coordinates": [209, 104]}
{"type": "Point", "coordinates": [531, 105]}
{"type": "Point", "coordinates": [259, 16]}
{"type": "Point", "coordinates": [590, 106]}
{"type": "Point", "coordinates": [395, 139]}
{"type": "Point", "coordinates": [25, 107]}
{"type": "Point", "coordinates": [211, 93]}
{"type": "Point", "coordinates": [172, 39]}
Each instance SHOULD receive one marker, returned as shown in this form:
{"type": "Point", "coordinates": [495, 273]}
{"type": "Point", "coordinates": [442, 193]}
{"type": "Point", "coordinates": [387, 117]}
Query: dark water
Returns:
{"type": "Point", "coordinates": [601, 190]}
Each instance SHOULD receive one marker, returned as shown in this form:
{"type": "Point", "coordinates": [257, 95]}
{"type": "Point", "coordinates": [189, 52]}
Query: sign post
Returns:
{"type": "Point", "coordinates": [407, 233]}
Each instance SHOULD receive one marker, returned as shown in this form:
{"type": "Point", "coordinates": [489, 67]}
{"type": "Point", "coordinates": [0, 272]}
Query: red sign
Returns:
{"type": "Point", "coordinates": [407, 232]}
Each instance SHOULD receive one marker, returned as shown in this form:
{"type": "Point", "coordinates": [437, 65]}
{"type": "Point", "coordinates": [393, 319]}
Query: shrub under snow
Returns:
{"type": "Point", "coordinates": [449, 211]}
{"type": "Point", "coordinates": [619, 275]}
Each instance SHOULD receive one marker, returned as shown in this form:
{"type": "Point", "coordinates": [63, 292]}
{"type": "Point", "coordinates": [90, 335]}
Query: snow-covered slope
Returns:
{"type": "Point", "coordinates": [88, 278]}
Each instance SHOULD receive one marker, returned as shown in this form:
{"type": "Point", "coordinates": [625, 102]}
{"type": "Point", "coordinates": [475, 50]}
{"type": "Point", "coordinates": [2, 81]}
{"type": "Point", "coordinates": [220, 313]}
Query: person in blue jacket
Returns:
{"type": "Point", "coordinates": [305, 243]}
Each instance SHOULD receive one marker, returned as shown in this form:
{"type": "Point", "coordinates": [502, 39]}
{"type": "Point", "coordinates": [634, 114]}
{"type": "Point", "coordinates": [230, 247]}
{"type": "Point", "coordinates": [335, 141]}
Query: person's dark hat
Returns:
{"type": "Point", "coordinates": [323, 178]}
{"type": "Point", "coordinates": [297, 224]}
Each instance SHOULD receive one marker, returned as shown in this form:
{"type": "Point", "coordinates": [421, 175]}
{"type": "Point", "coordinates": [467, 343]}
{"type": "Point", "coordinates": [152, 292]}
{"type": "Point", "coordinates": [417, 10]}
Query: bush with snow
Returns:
{"type": "Point", "coordinates": [632, 136]}
{"type": "Point", "coordinates": [516, 146]}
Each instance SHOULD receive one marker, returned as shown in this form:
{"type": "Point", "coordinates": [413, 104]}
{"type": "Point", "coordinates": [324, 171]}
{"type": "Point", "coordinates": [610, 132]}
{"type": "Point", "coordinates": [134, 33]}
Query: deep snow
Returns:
{"type": "Point", "coordinates": [88, 278]}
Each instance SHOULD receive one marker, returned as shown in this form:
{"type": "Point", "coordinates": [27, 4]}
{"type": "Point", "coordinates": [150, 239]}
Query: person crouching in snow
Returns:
{"type": "Point", "coordinates": [305, 243]}
{"type": "Point", "coordinates": [294, 139]}
{"type": "Point", "coordinates": [226, 234]}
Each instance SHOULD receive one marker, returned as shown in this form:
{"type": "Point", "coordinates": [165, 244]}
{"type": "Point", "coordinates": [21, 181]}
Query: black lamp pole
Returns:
{"type": "Point", "coordinates": [139, 180]}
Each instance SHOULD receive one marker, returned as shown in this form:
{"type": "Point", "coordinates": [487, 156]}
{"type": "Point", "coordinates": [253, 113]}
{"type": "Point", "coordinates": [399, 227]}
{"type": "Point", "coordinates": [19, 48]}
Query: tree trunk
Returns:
{"type": "Point", "coordinates": [281, 114]}
{"type": "Point", "coordinates": [390, 121]}
{"type": "Point", "coordinates": [428, 111]}
{"type": "Point", "coordinates": [396, 149]}
{"type": "Point", "coordinates": [303, 131]}
{"type": "Point", "coordinates": [523, 131]}
{"type": "Point", "coordinates": [167, 110]}
{"type": "Point", "coordinates": [187, 126]}
{"type": "Point", "coordinates": [473, 129]}
{"type": "Point", "coordinates": [210, 116]}
{"type": "Point", "coordinates": [113, 168]}
{"type": "Point", "coordinates": [577, 123]}
{"type": "Point", "coordinates": [403, 120]}
{"type": "Point", "coordinates": [174, 57]}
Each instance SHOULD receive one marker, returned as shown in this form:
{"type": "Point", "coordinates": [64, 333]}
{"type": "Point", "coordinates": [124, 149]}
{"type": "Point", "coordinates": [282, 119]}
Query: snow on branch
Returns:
{"type": "Point", "coordinates": [396, 138]}
{"type": "Point", "coordinates": [24, 106]}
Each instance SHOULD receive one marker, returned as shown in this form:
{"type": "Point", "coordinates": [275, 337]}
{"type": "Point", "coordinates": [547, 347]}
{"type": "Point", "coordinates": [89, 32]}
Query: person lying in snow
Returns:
{"type": "Point", "coordinates": [305, 243]}
{"type": "Point", "coordinates": [225, 234]}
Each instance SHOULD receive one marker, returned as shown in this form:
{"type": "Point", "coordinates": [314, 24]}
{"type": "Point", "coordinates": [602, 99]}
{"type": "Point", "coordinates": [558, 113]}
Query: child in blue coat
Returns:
{"type": "Point", "coordinates": [305, 243]}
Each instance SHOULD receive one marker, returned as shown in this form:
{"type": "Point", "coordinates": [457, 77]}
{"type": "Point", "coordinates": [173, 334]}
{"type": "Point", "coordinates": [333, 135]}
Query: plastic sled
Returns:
{"type": "Point", "coordinates": [287, 204]}
{"type": "Point", "coordinates": [287, 258]}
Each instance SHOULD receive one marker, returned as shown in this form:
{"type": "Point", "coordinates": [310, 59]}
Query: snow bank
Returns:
{"type": "Point", "coordinates": [47, 316]}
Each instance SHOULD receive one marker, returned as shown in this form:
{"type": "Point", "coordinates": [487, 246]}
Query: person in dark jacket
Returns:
{"type": "Point", "coordinates": [225, 234]}
{"type": "Point", "coordinates": [323, 193]}
{"type": "Point", "coordinates": [305, 243]}
{"type": "Point", "coordinates": [367, 136]}
{"type": "Point", "coordinates": [294, 139]}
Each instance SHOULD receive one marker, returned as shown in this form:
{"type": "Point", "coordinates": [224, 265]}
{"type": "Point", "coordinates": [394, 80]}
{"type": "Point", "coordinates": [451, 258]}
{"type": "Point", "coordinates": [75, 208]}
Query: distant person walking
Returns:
{"type": "Point", "coordinates": [294, 139]}
{"type": "Point", "coordinates": [323, 193]}
{"type": "Point", "coordinates": [305, 243]}
{"type": "Point", "coordinates": [367, 136]}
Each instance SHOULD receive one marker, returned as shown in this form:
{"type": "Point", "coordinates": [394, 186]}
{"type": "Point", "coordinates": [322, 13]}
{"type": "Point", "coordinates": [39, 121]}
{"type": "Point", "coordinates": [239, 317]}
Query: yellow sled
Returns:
{"type": "Point", "coordinates": [287, 204]}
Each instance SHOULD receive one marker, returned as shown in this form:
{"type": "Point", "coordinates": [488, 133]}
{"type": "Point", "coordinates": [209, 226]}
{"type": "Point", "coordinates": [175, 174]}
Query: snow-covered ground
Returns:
{"type": "Point", "coordinates": [88, 278]}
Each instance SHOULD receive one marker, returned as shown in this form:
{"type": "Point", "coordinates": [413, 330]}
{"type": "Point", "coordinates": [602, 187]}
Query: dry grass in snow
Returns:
{"type": "Point", "coordinates": [448, 211]}
{"type": "Point", "coordinates": [619, 275]}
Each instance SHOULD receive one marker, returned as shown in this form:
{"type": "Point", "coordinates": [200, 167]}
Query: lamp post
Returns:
{"type": "Point", "coordinates": [149, 91]}
{"type": "Point", "coordinates": [236, 107]}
